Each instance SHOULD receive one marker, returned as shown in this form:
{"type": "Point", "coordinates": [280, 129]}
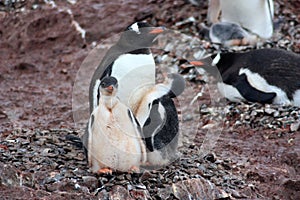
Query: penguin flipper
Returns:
{"type": "Point", "coordinates": [250, 93]}
{"type": "Point", "coordinates": [87, 138]}
{"type": "Point", "coordinates": [84, 139]}
{"type": "Point", "coordinates": [152, 124]}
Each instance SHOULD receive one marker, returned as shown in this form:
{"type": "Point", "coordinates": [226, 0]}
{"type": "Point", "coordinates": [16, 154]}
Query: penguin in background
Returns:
{"type": "Point", "coordinates": [159, 120]}
{"type": "Point", "coordinates": [130, 61]}
{"type": "Point", "coordinates": [231, 34]}
{"type": "Point", "coordinates": [255, 16]}
{"type": "Point", "coordinates": [114, 134]}
{"type": "Point", "coordinates": [263, 75]}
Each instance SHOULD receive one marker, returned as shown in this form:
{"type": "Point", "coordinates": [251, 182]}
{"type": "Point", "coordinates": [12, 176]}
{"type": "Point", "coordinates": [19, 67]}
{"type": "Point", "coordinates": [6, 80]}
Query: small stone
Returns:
{"type": "Point", "coordinates": [187, 117]}
{"type": "Point", "coordinates": [269, 111]}
{"type": "Point", "coordinates": [90, 181]}
{"type": "Point", "coordinates": [145, 176]}
{"type": "Point", "coordinates": [295, 126]}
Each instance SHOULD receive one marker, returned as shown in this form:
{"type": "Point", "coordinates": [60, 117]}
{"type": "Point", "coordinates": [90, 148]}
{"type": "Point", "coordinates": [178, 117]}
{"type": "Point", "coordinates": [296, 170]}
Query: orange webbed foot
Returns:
{"type": "Point", "coordinates": [134, 169]}
{"type": "Point", "coordinates": [104, 171]}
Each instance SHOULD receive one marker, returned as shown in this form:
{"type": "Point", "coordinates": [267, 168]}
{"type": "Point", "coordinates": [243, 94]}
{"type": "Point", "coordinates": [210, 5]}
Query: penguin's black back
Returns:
{"type": "Point", "coordinates": [278, 67]}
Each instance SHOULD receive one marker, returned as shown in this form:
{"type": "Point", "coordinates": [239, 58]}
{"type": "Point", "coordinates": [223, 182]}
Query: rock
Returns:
{"type": "Point", "coordinates": [197, 189]}
{"type": "Point", "coordinates": [146, 175]}
{"type": "Point", "coordinates": [9, 175]}
{"type": "Point", "coordinates": [270, 111]}
{"type": "Point", "coordinates": [140, 194]}
{"type": "Point", "coordinates": [90, 182]}
{"type": "Point", "coordinates": [295, 126]}
{"type": "Point", "coordinates": [119, 192]}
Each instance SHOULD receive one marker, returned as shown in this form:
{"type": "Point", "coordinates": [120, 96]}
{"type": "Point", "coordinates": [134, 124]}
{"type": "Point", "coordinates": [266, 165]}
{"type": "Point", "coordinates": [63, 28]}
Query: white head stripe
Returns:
{"type": "Point", "coordinates": [135, 27]}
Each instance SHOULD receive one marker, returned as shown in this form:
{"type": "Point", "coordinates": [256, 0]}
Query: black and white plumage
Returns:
{"type": "Point", "coordinates": [264, 75]}
{"type": "Point", "coordinates": [158, 117]}
{"type": "Point", "coordinates": [130, 61]}
{"type": "Point", "coordinates": [114, 141]}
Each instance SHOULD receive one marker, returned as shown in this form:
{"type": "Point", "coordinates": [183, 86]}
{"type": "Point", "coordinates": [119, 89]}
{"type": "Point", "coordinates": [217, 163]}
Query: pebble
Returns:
{"type": "Point", "coordinates": [295, 126]}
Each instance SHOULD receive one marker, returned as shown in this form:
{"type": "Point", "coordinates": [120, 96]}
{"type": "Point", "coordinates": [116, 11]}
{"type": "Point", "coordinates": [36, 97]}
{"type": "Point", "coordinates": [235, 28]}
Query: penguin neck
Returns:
{"type": "Point", "coordinates": [216, 64]}
{"type": "Point", "coordinates": [223, 61]}
{"type": "Point", "coordinates": [108, 101]}
{"type": "Point", "coordinates": [141, 51]}
{"type": "Point", "coordinates": [131, 49]}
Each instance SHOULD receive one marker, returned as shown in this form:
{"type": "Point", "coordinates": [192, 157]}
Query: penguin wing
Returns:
{"type": "Point", "coordinates": [250, 93]}
{"type": "Point", "coordinates": [94, 94]}
{"type": "Point", "coordinates": [88, 137]}
{"type": "Point", "coordinates": [153, 123]}
{"type": "Point", "coordinates": [135, 122]}
{"type": "Point", "coordinates": [140, 135]}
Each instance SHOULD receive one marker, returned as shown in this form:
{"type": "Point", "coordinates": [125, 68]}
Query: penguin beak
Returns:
{"type": "Point", "coordinates": [196, 63]}
{"type": "Point", "coordinates": [157, 30]}
{"type": "Point", "coordinates": [110, 88]}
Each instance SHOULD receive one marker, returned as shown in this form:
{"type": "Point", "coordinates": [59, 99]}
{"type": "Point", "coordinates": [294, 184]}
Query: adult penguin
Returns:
{"type": "Point", "coordinates": [159, 120]}
{"type": "Point", "coordinates": [130, 61]}
{"type": "Point", "coordinates": [263, 75]}
{"type": "Point", "coordinates": [256, 16]}
{"type": "Point", "coordinates": [114, 141]}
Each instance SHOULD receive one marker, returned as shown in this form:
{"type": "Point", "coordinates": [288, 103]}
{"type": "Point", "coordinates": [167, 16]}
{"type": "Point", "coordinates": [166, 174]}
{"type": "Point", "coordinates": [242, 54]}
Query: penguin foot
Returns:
{"type": "Point", "coordinates": [134, 169]}
{"type": "Point", "coordinates": [104, 171]}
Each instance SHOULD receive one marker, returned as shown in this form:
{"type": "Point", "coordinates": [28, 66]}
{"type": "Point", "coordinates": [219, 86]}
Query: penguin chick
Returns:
{"type": "Point", "coordinates": [114, 141]}
{"type": "Point", "coordinates": [263, 75]}
{"type": "Point", "coordinates": [231, 34]}
{"type": "Point", "coordinates": [158, 117]}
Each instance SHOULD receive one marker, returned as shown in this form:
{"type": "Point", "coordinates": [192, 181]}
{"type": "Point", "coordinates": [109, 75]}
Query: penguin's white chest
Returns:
{"type": "Point", "coordinates": [133, 71]}
{"type": "Point", "coordinates": [296, 98]}
{"type": "Point", "coordinates": [255, 15]}
{"type": "Point", "coordinates": [114, 141]}
{"type": "Point", "coordinates": [230, 92]}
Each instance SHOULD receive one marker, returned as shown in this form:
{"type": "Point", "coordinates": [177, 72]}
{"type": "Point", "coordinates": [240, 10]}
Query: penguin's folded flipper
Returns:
{"type": "Point", "coordinates": [250, 93]}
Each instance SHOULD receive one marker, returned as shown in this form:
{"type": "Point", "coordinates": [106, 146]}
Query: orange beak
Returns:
{"type": "Point", "coordinates": [157, 30]}
{"type": "Point", "coordinates": [110, 88]}
{"type": "Point", "coordinates": [196, 63]}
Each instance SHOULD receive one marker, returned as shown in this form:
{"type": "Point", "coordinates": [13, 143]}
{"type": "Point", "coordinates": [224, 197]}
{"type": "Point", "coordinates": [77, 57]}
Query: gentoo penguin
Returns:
{"type": "Point", "coordinates": [230, 34]}
{"type": "Point", "coordinates": [159, 120]}
{"type": "Point", "coordinates": [263, 75]}
{"type": "Point", "coordinates": [255, 15]}
{"type": "Point", "coordinates": [130, 61]}
{"type": "Point", "coordinates": [114, 141]}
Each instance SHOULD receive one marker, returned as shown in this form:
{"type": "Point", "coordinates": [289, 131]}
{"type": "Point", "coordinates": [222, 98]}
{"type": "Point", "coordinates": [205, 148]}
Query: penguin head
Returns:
{"type": "Point", "coordinates": [108, 86]}
{"type": "Point", "coordinates": [140, 35]}
{"type": "Point", "coordinates": [176, 83]}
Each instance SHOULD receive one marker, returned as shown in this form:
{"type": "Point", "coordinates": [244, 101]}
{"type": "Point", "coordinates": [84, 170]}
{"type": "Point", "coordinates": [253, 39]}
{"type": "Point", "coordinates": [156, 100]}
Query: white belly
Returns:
{"type": "Point", "coordinates": [113, 142]}
{"type": "Point", "coordinates": [296, 98]}
{"type": "Point", "coordinates": [230, 92]}
{"type": "Point", "coordinates": [133, 71]}
{"type": "Point", "coordinates": [254, 15]}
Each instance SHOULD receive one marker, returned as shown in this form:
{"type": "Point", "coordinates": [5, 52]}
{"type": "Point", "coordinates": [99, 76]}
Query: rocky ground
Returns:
{"type": "Point", "coordinates": [42, 47]}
